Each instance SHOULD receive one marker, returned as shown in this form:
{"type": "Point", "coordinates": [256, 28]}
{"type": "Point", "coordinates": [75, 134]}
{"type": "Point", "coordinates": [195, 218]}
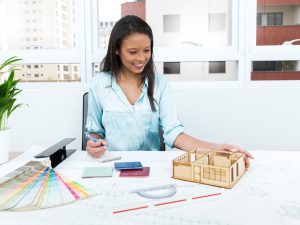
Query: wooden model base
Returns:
{"type": "Point", "coordinates": [217, 168]}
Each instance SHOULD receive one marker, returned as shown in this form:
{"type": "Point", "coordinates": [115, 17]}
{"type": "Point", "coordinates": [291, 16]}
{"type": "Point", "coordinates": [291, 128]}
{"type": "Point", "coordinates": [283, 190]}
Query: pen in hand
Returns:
{"type": "Point", "coordinates": [90, 137]}
{"type": "Point", "coordinates": [98, 149]}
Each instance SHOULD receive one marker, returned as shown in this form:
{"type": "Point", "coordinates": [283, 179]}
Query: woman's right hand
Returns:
{"type": "Point", "coordinates": [96, 149]}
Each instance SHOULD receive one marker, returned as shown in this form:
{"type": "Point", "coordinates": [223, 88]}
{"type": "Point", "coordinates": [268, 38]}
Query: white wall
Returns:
{"type": "Point", "coordinates": [52, 114]}
{"type": "Point", "coordinates": [252, 117]}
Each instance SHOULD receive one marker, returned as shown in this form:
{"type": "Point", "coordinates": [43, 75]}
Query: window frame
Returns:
{"type": "Point", "coordinates": [243, 50]}
{"type": "Point", "coordinates": [265, 52]}
{"type": "Point", "coordinates": [188, 54]}
{"type": "Point", "coordinates": [57, 56]}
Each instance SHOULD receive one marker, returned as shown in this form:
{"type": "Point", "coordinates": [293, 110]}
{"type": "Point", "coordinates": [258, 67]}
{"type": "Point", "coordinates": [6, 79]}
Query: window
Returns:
{"type": "Point", "coordinates": [50, 30]}
{"type": "Point", "coordinates": [10, 41]}
{"type": "Point", "coordinates": [277, 22]}
{"type": "Point", "coordinates": [274, 19]}
{"type": "Point", "coordinates": [47, 73]}
{"type": "Point", "coordinates": [172, 68]}
{"type": "Point", "coordinates": [217, 67]}
{"type": "Point", "coordinates": [277, 39]}
{"type": "Point", "coordinates": [259, 19]}
{"type": "Point", "coordinates": [171, 23]}
{"type": "Point", "coordinates": [276, 70]}
{"type": "Point", "coordinates": [267, 66]}
{"type": "Point", "coordinates": [217, 21]}
{"type": "Point", "coordinates": [205, 23]}
{"type": "Point", "coordinates": [185, 35]}
{"type": "Point", "coordinates": [199, 71]}
{"type": "Point", "coordinates": [207, 40]}
{"type": "Point", "coordinates": [269, 19]}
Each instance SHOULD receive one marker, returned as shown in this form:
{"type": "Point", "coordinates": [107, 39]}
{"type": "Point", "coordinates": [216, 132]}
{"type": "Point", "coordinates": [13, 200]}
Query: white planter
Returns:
{"type": "Point", "coordinates": [4, 145]}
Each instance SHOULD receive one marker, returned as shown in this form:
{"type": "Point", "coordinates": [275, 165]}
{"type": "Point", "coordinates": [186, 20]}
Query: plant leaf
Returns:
{"type": "Point", "coordinates": [8, 92]}
{"type": "Point", "coordinates": [9, 62]}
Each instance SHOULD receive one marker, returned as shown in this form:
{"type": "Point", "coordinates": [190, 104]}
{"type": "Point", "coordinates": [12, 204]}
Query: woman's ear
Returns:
{"type": "Point", "coordinates": [117, 52]}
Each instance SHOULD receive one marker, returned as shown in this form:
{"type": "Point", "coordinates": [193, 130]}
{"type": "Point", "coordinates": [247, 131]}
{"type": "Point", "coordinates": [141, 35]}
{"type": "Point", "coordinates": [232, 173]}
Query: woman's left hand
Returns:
{"type": "Point", "coordinates": [233, 148]}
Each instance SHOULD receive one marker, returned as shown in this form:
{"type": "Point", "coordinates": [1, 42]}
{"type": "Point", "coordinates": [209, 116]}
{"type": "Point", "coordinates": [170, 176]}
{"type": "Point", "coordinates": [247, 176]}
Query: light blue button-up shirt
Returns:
{"type": "Point", "coordinates": [131, 127]}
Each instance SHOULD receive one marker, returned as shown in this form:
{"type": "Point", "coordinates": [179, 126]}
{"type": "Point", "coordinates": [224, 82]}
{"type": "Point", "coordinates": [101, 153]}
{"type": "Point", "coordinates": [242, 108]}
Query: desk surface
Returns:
{"type": "Point", "coordinates": [267, 194]}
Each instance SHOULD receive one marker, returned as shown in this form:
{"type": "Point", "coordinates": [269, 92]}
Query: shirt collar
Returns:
{"type": "Point", "coordinates": [111, 82]}
{"type": "Point", "coordinates": [108, 81]}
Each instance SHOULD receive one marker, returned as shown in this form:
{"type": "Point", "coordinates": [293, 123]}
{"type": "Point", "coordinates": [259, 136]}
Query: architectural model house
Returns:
{"type": "Point", "coordinates": [218, 168]}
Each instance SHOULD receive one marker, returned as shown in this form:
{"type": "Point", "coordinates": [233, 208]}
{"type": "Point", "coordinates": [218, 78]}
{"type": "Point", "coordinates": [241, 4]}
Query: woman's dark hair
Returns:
{"type": "Point", "coordinates": [124, 27]}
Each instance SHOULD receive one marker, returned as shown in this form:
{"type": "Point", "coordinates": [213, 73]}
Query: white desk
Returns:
{"type": "Point", "coordinates": [269, 193]}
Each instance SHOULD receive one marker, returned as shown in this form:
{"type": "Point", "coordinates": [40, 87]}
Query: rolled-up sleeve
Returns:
{"type": "Point", "coordinates": [169, 120]}
{"type": "Point", "coordinates": [94, 116]}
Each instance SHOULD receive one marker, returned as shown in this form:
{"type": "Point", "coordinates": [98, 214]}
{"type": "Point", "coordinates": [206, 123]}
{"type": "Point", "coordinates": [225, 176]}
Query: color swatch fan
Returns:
{"type": "Point", "coordinates": [35, 186]}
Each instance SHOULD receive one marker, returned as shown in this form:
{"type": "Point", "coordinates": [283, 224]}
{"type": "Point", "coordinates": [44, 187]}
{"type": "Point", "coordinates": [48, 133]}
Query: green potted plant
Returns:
{"type": "Point", "coordinates": [8, 92]}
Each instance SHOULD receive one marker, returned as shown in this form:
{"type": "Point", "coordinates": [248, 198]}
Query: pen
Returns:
{"type": "Point", "coordinates": [90, 137]}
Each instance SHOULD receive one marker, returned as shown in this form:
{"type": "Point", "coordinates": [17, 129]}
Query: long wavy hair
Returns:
{"type": "Point", "coordinates": [124, 27]}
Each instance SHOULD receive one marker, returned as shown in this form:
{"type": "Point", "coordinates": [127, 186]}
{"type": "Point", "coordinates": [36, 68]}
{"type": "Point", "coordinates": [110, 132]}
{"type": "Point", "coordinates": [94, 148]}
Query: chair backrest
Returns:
{"type": "Point", "coordinates": [84, 116]}
{"type": "Point", "coordinates": [161, 137]}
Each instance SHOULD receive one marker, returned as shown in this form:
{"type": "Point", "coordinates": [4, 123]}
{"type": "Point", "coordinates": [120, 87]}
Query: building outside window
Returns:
{"type": "Point", "coordinates": [53, 28]}
{"type": "Point", "coordinates": [278, 26]}
{"type": "Point", "coordinates": [209, 40]}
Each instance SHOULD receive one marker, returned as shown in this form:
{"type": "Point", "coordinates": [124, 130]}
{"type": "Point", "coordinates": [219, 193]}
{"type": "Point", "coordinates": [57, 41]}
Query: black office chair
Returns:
{"type": "Point", "coordinates": [84, 116]}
